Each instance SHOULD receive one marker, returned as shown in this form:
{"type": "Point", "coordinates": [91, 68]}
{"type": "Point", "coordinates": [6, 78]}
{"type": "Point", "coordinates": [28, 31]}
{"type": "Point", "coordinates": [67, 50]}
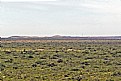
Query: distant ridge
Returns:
{"type": "Point", "coordinates": [58, 37]}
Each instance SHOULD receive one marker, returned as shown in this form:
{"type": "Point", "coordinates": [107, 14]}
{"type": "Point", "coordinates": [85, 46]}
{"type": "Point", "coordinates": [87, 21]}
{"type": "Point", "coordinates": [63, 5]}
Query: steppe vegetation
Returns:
{"type": "Point", "coordinates": [60, 60]}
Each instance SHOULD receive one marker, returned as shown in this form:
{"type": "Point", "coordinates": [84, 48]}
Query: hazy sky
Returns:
{"type": "Point", "coordinates": [63, 17]}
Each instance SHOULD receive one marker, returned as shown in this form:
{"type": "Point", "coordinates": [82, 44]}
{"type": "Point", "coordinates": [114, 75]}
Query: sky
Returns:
{"type": "Point", "coordinates": [24, 0]}
{"type": "Point", "coordinates": [60, 17]}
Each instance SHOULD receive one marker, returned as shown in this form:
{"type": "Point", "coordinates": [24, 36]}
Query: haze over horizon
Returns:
{"type": "Point", "coordinates": [61, 17]}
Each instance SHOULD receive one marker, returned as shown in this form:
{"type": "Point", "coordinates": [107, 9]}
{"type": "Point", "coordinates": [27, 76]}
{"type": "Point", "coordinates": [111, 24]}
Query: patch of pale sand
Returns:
{"type": "Point", "coordinates": [40, 49]}
{"type": "Point", "coordinates": [73, 50]}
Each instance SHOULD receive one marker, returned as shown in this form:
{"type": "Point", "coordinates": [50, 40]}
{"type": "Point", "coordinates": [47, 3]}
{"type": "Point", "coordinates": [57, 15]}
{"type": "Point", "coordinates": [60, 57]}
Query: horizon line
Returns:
{"type": "Point", "coordinates": [59, 35]}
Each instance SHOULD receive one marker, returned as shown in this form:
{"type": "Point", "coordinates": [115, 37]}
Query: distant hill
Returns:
{"type": "Point", "coordinates": [58, 37]}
